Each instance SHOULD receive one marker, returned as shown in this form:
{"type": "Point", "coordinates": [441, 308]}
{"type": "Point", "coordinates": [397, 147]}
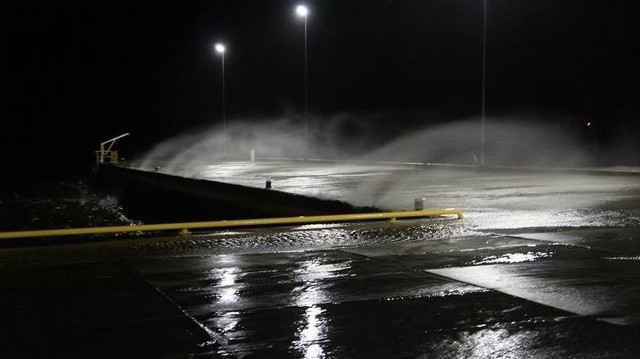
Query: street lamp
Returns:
{"type": "Point", "coordinates": [484, 76]}
{"type": "Point", "coordinates": [302, 11]}
{"type": "Point", "coordinates": [220, 48]}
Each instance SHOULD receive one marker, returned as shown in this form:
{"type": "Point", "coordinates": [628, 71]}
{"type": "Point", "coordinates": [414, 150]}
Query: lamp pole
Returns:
{"type": "Point", "coordinates": [303, 12]}
{"type": "Point", "coordinates": [221, 49]}
{"type": "Point", "coordinates": [484, 77]}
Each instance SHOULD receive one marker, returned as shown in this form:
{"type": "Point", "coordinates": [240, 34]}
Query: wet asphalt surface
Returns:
{"type": "Point", "coordinates": [544, 265]}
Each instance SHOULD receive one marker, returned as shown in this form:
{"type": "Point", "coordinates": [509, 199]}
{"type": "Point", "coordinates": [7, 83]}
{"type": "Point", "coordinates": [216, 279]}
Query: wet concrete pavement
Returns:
{"type": "Point", "coordinates": [542, 266]}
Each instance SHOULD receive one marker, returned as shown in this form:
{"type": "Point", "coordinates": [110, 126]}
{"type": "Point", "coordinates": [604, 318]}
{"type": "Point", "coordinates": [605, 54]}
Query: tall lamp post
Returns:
{"type": "Point", "coordinates": [220, 48]}
{"type": "Point", "coordinates": [484, 76]}
{"type": "Point", "coordinates": [302, 11]}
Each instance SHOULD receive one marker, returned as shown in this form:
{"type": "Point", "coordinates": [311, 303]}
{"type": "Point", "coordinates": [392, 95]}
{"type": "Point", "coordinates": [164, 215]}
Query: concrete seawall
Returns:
{"type": "Point", "coordinates": [157, 197]}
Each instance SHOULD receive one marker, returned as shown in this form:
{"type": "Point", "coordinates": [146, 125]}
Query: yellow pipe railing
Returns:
{"type": "Point", "coordinates": [184, 227]}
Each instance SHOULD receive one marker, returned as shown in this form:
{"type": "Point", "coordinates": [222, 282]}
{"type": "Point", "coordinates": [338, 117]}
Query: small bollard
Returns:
{"type": "Point", "coordinates": [253, 155]}
{"type": "Point", "coordinates": [267, 185]}
{"type": "Point", "coordinates": [418, 203]}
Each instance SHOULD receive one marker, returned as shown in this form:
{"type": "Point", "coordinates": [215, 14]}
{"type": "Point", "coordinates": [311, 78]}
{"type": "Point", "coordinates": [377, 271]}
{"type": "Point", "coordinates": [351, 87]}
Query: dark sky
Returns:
{"type": "Point", "coordinates": [78, 73]}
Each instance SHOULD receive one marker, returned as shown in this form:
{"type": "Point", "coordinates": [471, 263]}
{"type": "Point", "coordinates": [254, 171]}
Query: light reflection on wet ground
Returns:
{"type": "Point", "coordinates": [451, 297]}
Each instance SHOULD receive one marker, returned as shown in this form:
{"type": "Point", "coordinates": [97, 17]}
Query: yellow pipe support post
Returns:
{"type": "Point", "coordinates": [186, 226]}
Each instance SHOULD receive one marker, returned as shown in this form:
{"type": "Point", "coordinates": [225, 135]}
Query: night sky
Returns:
{"type": "Point", "coordinates": [78, 73]}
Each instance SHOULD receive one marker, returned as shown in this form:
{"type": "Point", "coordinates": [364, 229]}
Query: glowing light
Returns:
{"type": "Point", "coordinates": [302, 10]}
{"type": "Point", "coordinates": [220, 48]}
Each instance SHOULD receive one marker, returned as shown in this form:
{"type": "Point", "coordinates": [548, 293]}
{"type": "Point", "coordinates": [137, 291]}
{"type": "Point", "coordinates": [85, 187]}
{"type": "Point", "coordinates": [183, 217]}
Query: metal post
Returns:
{"type": "Point", "coordinates": [484, 75]}
{"type": "Point", "coordinates": [224, 111]}
{"type": "Point", "coordinates": [306, 94]}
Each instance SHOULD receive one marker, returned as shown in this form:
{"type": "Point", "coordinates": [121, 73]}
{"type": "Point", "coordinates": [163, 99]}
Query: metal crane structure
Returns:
{"type": "Point", "coordinates": [106, 155]}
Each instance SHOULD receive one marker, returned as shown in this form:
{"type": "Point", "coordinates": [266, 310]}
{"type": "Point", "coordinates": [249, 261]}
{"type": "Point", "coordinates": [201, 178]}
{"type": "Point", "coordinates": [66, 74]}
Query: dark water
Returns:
{"type": "Point", "coordinates": [57, 203]}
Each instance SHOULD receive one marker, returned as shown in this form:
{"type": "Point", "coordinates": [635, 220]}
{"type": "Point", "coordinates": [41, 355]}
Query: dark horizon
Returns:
{"type": "Point", "coordinates": [81, 74]}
